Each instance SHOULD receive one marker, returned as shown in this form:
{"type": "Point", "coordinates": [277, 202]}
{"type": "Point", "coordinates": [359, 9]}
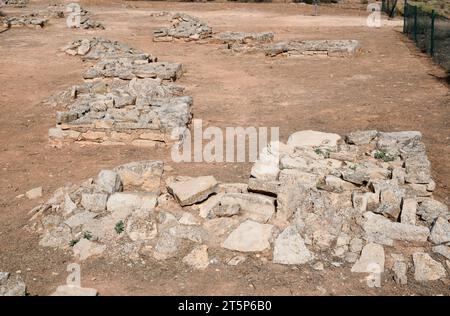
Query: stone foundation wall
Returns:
{"type": "Point", "coordinates": [128, 99]}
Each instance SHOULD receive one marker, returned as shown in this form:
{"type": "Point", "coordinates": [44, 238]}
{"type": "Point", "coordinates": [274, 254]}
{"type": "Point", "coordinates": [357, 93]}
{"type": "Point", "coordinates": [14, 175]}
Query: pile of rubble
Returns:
{"type": "Point", "coordinates": [330, 48]}
{"type": "Point", "coordinates": [185, 27]}
{"type": "Point", "coordinates": [128, 99]}
{"type": "Point", "coordinates": [363, 201]}
{"type": "Point", "coordinates": [11, 286]}
{"type": "Point", "coordinates": [114, 59]}
{"type": "Point", "coordinates": [30, 20]}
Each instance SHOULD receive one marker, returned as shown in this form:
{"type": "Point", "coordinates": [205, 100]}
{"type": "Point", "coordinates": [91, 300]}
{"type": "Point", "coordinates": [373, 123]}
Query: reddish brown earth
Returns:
{"type": "Point", "coordinates": [391, 86]}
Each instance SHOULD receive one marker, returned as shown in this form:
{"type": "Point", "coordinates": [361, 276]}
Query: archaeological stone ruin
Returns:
{"type": "Point", "coordinates": [242, 37]}
{"type": "Point", "coordinates": [183, 27]}
{"type": "Point", "coordinates": [41, 18]}
{"type": "Point", "coordinates": [363, 201]}
{"type": "Point", "coordinates": [36, 19]}
{"type": "Point", "coordinates": [117, 60]}
{"type": "Point", "coordinates": [189, 28]}
{"type": "Point", "coordinates": [29, 20]}
{"type": "Point", "coordinates": [331, 48]}
{"type": "Point", "coordinates": [128, 98]}
{"type": "Point", "coordinates": [16, 3]}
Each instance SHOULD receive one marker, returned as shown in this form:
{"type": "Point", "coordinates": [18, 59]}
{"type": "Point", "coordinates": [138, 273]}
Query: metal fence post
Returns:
{"type": "Point", "coordinates": [415, 24]}
{"type": "Point", "coordinates": [433, 19]}
{"type": "Point", "coordinates": [404, 16]}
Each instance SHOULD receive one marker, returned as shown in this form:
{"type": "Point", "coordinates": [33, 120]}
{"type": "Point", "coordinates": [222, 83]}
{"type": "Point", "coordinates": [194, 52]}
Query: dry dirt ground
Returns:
{"type": "Point", "coordinates": [391, 86]}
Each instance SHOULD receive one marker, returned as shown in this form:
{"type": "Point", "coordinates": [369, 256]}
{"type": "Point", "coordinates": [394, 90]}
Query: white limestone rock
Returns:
{"type": "Point", "coordinates": [250, 236]}
{"type": "Point", "coordinates": [427, 269]}
{"type": "Point", "coordinates": [289, 248]}
{"type": "Point", "coordinates": [193, 190]}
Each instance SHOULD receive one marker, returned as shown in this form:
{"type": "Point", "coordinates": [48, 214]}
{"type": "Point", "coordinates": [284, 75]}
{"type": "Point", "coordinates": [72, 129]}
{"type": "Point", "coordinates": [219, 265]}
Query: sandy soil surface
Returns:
{"type": "Point", "coordinates": [391, 86]}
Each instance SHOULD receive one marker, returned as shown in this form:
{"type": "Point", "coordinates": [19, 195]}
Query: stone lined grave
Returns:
{"type": "Point", "coordinates": [30, 20]}
{"type": "Point", "coordinates": [330, 48]}
{"type": "Point", "coordinates": [114, 59]}
{"type": "Point", "coordinates": [189, 28]}
{"type": "Point", "coordinates": [359, 201]}
{"type": "Point", "coordinates": [41, 18]}
{"type": "Point", "coordinates": [36, 19]}
{"type": "Point", "coordinates": [141, 112]}
{"type": "Point", "coordinates": [184, 27]}
{"type": "Point", "coordinates": [128, 98]}
{"type": "Point", "coordinates": [16, 3]}
{"type": "Point", "coordinates": [242, 37]}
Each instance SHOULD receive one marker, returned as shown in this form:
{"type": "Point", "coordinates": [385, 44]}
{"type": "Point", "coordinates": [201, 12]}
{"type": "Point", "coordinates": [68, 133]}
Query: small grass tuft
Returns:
{"type": "Point", "coordinates": [120, 227]}
{"type": "Point", "coordinates": [87, 235]}
{"type": "Point", "coordinates": [382, 155]}
{"type": "Point", "coordinates": [73, 242]}
{"type": "Point", "coordinates": [323, 152]}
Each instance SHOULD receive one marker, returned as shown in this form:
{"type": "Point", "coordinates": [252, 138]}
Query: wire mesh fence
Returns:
{"type": "Point", "coordinates": [430, 31]}
{"type": "Point", "coordinates": [389, 7]}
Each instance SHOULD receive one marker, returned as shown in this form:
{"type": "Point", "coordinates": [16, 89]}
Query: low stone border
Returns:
{"type": "Point", "coordinates": [324, 200]}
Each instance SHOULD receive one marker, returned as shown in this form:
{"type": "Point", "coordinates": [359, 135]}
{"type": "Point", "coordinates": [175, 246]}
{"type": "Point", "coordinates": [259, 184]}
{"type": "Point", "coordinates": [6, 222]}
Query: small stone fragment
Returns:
{"type": "Point", "coordinates": [34, 193]}
{"type": "Point", "coordinates": [70, 290]}
{"type": "Point", "coordinates": [440, 232]}
{"type": "Point", "coordinates": [427, 269]}
{"type": "Point", "coordinates": [198, 258]}
{"type": "Point", "coordinates": [372, 257]}
{"type": "Point", "coordinates": [289, 248]}
{"type": "Point", "coordinates": [250, 236]}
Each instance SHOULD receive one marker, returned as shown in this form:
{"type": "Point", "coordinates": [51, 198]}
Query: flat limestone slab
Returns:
{"type": "Point", "coordinates": [383, 231]}
{"type": "Point", "coordinates": [372, 257]}
{"type": "Point", "coordinates": [250, 236]}
{"type": "Point", "coordinates": [70, 290]}
{"type": "Point", "coordinates": [242, 37]}
{"type": "Point", "coordinates": [193, 190]}
{"type": "Point", "coordinates": [312, 138]}
{"type": "Point", "coordinates": [290, 248]}
{"type": "Point", "coordinates": [427, 269]}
